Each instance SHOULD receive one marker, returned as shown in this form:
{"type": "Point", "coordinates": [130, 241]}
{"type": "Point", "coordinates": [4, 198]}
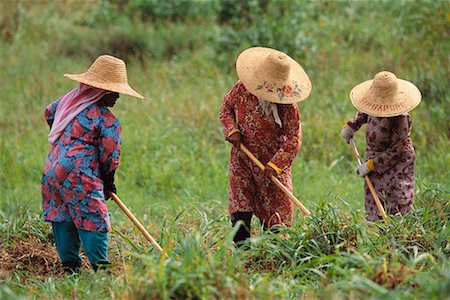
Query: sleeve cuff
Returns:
{"type": "Point", "coordinates": [232, 132]}
{"type": "Point", "coordinates": [273, 166]}
{"type": "Point", "coordinates": [370, 165]}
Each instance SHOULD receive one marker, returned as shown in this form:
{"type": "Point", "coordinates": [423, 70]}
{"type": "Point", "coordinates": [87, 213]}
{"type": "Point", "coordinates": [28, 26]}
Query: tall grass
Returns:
{"type": "Point", "coordinates": [330, 252]}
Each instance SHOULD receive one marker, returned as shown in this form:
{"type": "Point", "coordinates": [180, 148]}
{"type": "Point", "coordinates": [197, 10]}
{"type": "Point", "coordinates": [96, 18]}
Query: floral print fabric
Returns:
{"type": "Point", "coordinates": [250, 190]}
{"type": "Point", "coordinates": [72, 189]}
{"type": "Point", "coordinates": [390, 148]}
{"type": "Point", "coordinates": [281, 92]}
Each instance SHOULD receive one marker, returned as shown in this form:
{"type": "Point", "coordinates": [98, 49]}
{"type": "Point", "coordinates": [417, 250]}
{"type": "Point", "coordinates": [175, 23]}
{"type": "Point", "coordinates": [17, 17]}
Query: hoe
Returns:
{"type": "Point", "coordinates": [136, 222]}
{"type": "Point", "coordinates": [369, 182]}
{"type": "Point", "coordinates": [304, 210]}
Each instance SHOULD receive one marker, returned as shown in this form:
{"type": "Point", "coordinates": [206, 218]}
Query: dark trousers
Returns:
{"type": "Point", "coordinates": [243, 220]}
{"type": "Point", "coordinates": [243, 233]}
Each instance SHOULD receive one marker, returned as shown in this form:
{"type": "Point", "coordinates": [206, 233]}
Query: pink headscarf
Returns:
{"type": "Point", "coordinates": [71, 105]}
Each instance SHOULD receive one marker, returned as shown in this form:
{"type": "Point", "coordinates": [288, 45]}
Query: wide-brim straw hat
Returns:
{"type": "Point", "coordinates": [108, 73]}
{"type": "Point", "coordinates": [272, 75]}
{"type": "Point", "coordinates": [385, 96]}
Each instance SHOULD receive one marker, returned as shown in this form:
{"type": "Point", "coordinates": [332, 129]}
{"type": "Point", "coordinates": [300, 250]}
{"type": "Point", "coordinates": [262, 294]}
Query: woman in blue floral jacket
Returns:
{"type": "Point", "coordinates": [79, 171]}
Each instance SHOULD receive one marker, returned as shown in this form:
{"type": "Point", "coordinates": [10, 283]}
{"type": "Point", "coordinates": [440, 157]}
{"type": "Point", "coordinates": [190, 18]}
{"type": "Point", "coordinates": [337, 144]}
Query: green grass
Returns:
{"type": "Point", "coordinates": [174, 163]}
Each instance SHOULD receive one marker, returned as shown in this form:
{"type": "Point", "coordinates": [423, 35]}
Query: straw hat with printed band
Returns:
{"type": "Point", "coordinates": [385, 96]}
{"type": "Point", "coordinates": [272, 75]}
{"type": "Point", "coordinates": [108, 73]}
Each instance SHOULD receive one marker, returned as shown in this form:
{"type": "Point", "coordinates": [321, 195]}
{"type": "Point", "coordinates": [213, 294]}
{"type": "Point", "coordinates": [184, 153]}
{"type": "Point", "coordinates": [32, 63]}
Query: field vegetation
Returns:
{"type": "Point", "coordinates": [180, 54]}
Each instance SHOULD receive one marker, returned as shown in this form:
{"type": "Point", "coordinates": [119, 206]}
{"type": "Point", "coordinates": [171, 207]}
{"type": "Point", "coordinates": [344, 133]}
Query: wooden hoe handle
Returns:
{"type": "Point", "coordinates": [277, 182]}
{"type": "Point", "coordinates": [136, 222]}
{"type": "Point", "coordinates": [369, 182]}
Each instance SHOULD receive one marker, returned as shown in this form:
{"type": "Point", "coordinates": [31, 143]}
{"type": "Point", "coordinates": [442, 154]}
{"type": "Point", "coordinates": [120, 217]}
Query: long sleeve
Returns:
{"type": "Point", "coordinates": [227, 115]}
{"type": "Point", "coordinates": [50, 111]}
{"type": "Point", "coordinates": [400, 136]}
{"type": "Point", "coordinates": [357, 121]}
{"type": "Point", "coordinates": [292, 136]}
{"type": "Point", "coordinates": [109, 143]}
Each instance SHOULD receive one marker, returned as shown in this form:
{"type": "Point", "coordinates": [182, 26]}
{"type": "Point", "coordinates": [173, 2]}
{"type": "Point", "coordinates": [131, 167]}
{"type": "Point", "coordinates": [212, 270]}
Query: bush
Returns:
{"type": "Point", "coordinates": [173, 10]}
{"type": "Point", "coordinates": [282, 25]}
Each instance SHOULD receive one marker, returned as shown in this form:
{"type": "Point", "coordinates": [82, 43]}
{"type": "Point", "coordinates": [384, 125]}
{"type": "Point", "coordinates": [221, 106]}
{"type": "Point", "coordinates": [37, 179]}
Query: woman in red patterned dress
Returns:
{"type": "Point", "coordinates": [260, 111]}
{"type": "Point", "coordinates": [383, 104]}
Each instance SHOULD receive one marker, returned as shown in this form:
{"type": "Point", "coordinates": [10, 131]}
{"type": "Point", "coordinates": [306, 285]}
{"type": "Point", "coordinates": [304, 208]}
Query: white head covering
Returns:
{"type": "Point", "coordinates": [270, 108]}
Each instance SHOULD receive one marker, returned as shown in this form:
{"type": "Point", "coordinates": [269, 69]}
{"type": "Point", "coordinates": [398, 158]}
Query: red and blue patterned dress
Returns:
{"type": "Point", "coordinates": [72, 190]}
{"type": "Point", "coordinates": [250, 190]}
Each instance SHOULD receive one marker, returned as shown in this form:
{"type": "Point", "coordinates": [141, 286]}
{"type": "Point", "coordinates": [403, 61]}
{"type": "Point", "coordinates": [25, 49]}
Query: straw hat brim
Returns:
{"type": "Point", "coordinates": [110, 86]}
{"type": "Point", "coordinates": [295, 88]}
{"type": "Point", "coordinates": [408, 98]}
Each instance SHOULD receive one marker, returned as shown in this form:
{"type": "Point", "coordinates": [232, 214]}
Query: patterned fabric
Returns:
{"type": "Point", "coordinates": [390, 148]}
{"type": "Point", "coordinates": [250, 190]}
{"type": "Point", "coordinates": [70, 105]}
{"type": "Point", "coordinates": [72, 190]}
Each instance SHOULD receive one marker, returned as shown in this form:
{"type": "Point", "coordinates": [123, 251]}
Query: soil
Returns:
{"type": "Point", "coordinates": [31, 257]}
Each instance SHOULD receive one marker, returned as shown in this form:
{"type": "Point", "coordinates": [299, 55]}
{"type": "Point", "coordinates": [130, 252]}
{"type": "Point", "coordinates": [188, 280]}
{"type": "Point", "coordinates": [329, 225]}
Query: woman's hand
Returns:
{"type": "Point", "coordinates": [363, 169]}
{"type": "Point", "coordinates": [108, 184]}
{"type": "Point", "coordinates": [235, 139]}
{"type": "Point", "coordinates": [269, 172]}
{"type": "Point", "coordinates": [347, 133]}
{"type": "Point", "coordinates": [110, 189]}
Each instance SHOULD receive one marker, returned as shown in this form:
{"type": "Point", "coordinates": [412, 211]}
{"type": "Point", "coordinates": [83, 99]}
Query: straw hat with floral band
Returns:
{"type": "Point", "coordinates": [385, 96]}
{"type": "Point", "coordinates": [272, 75]}
{"type": "Point", "coordinates": [108, 73]}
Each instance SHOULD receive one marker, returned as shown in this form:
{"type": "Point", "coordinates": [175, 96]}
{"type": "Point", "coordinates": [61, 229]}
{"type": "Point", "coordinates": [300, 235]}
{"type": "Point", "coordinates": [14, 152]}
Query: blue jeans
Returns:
{"type": "Point", "coordinates": [68, 239]}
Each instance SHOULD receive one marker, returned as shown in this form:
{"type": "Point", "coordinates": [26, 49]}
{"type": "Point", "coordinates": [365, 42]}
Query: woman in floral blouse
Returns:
{"type": "Point", "coordinates": [79, 171]}
{"type": "Point", "coordinates": [383, 105]}
{"type": "Point", "coordinates": [260, 111]}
